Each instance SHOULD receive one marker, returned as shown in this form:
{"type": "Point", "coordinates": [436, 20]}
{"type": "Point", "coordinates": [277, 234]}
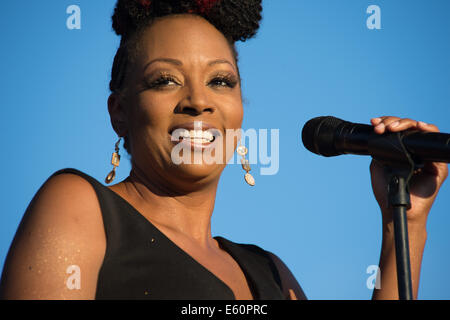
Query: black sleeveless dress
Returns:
{"type": "Point", "coordinates": [142, 263]}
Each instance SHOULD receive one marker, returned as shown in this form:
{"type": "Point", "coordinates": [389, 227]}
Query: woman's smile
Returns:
{"type": "Point", "coordinates": [195, 135]}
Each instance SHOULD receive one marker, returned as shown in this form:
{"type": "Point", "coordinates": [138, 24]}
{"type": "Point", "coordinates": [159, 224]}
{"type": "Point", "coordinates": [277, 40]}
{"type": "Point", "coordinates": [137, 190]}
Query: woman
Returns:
{"type": "Point", "coordinates": [149, 236]}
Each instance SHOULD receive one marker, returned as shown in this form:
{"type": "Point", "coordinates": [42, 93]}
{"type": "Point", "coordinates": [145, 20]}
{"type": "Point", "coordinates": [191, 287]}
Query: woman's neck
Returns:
{"type": "Point", "coordinates": [186, 213]}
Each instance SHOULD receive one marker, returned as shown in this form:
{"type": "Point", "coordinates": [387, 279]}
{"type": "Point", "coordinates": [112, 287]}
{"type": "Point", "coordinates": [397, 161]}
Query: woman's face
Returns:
{"type": "Point", "coordinates": [184, 72]}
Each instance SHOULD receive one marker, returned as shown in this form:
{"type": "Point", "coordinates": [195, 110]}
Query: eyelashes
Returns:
{"type": "Point", "coordinates": [165, 81]}
{"type": "Point", "coordinates": [161, 81]}
{"type": "Point", "coordinates": [224, 80]}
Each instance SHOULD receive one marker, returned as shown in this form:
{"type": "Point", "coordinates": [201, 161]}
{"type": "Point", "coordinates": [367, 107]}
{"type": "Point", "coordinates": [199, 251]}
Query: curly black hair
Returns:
{"type": "Point", "coordinates": [237, 20]}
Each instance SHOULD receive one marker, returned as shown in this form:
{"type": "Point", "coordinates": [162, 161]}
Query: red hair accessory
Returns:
{"type": "Point", "coordinates": [205, 5]}
{"type": "Point", "coordinates": [145, 3]}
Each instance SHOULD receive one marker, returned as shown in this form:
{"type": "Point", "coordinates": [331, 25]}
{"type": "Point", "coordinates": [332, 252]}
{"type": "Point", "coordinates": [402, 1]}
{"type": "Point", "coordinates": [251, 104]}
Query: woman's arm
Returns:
{"type": "Point", "coordinates": [424, 187]}
{"type": "Point", "coordinates": [59, 244]}
{"type": "Point", "coordinates": [388, 266]}
{"type": "Point", "coordinates": [291, 288]}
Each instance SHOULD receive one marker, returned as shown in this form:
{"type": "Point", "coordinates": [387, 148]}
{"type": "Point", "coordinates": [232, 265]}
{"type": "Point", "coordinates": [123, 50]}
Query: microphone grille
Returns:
{"type": "Point", "coordinates": [318, 135]}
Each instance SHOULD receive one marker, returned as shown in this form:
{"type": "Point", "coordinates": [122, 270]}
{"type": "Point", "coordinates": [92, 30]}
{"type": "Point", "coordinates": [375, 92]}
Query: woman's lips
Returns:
{"type": "Point", "coordinates": [193, 125]}
{"type": "Point", "coordinates": [196, 145]}
{"type": "Point", "coordinates": [197, 135]}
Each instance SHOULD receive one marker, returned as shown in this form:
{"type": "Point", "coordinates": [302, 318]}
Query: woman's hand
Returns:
{"type": "Point", "coordinates": [424, 185]}
{"type": "Point", "coordinates": [423, 188]}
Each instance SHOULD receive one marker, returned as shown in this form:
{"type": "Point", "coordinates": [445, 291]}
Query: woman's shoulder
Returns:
{"type": "Point", "coordinates": [292, 288]}
{"type": "Point", "coordinates": [61, 227]}
{"type": "Point", "coordinates": [69, 195]}
{"type": "Point", "coordinates": [72, 176]}
{"type": "Point", "coordinates": [289, 284]}
{"type": "Point", "coordinates": [67, 190]}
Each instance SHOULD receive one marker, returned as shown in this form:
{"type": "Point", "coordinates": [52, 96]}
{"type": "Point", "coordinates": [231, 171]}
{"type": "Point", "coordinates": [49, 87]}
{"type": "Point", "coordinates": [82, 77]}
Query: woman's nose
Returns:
{"type": "Point", "coordinates": [195, 101]}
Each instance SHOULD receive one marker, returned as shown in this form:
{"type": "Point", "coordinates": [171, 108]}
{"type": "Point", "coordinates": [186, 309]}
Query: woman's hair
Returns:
{"type": "Point", "coordinates": [237, 20]}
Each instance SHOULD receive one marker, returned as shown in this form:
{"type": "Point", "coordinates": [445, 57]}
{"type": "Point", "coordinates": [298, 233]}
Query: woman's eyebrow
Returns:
{"type": "Point", "coordinates": [179, 63]}
{"type": "Point", "coordinates": [168, 60]}
{"type": "Point", "coordinates": [218, 61]}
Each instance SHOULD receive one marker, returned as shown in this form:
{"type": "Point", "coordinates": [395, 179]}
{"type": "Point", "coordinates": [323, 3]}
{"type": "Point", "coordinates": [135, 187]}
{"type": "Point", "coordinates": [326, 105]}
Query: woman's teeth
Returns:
{"type": "Point", "coordinates": [198, 136]}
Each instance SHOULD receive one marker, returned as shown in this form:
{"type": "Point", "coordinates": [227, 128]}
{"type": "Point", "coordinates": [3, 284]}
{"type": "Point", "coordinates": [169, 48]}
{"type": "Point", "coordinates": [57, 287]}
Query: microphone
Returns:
{"type": "Point", "coordinates": [330, 136]}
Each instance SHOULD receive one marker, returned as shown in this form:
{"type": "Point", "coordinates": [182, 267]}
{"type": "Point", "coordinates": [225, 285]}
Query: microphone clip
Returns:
{"type": "Point", "coordinates": [399, 166]}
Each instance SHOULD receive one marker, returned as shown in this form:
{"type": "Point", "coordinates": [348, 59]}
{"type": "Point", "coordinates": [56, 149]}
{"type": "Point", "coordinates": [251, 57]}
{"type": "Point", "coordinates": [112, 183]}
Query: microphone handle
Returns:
{"type": "Point", "coordinates": [428, 146]}
{"type": "Point", "coordinates": [353, 138]}
{"type": "Point", "coordinates": [423, 146]}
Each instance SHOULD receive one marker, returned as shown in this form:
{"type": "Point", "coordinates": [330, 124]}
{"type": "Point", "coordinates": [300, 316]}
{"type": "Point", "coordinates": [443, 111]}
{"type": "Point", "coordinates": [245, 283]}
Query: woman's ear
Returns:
{"type": "Point", "coordinates": [117, 114]}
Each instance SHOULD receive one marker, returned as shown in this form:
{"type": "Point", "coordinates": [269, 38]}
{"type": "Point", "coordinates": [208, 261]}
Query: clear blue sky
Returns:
{"type": "Point", "coordinates": [310, 58]}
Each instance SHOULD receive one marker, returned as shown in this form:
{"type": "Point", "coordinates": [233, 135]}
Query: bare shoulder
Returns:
{"type": "Point", "coordinates": [292, 289]}
{"type": "Point", "coordinates": [60, 243]}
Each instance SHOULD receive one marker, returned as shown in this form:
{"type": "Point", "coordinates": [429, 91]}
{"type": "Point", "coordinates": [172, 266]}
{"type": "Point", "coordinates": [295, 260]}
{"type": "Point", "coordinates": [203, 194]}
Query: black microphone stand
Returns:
{"type": "Point", "coordinates": [399, 168]}
{"type": "Point", "coordinates": [399, 202]}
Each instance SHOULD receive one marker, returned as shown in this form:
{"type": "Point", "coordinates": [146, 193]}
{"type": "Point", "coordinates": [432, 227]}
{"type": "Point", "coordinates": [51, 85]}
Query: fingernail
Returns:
{"type": "Point", "coordinates": [376, 120]}
{"type": "Point", "coordinates": [423, 123]}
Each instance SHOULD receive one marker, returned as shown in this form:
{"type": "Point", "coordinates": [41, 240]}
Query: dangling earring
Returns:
{"type": "Point", "coordinates": [115, 160]}
{"type": "Point", "coordinates": [242, 151]}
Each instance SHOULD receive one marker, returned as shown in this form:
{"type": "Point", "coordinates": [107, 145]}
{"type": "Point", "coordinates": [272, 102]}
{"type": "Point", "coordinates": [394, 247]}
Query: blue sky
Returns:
{"type": "Point", "coordinates": [310, 58]}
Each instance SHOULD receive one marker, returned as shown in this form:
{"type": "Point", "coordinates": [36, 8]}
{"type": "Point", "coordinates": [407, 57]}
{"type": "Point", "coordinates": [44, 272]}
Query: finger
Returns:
{"type": "Point", "coordinates": [377, 120]}
{"type": "Point", "coordinates": [393, 124]}
{"type": "Point", "coordinates": [427, 127]}
{"type": "Point", "coordinates": [402, 124]}
{"type": "Point", "coordinates": [385, 121]}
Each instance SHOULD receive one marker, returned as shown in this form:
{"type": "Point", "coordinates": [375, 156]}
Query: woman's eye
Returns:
{"type": "Point", "coordinates": [163, 82]}
{"type": "Point", "coordinates": [223, 82]}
